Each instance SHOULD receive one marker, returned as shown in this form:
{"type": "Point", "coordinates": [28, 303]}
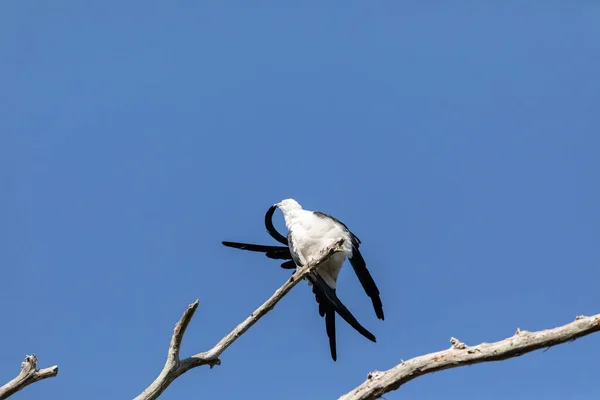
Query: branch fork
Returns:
{"type": "Point", "coordinates": [29, 374]}
{"type": "Point", "coordinates": [377, 383]}
{"type": "Point", "coordinates": [175, 367]}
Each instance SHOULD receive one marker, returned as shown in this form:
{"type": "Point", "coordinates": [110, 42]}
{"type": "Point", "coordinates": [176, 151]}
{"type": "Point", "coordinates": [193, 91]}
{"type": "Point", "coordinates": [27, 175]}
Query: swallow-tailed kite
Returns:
{"type": "Point", "coordinates": [307, 232]}
{"type": "Point", "coordinates": [311, 231]}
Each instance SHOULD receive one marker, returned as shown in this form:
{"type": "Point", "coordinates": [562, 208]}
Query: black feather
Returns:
{"type": "Point", "coordinates": [289, 265]}
{"type": "Point", "coordinates": [326, 310]}
{"type": "Point", "coordinates": [330, 327]}
{"type": "Point", "coordinates": [275, 252]}
{"type": "Point", "coordinates": [326, 293]}
{"type": "Point", "coordinates": [271, 228]}
{"type": "Point", "coordinates": [364, 276]}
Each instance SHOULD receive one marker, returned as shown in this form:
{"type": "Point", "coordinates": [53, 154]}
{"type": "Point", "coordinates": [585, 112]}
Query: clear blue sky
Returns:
{"type": "Point", "coordinates": [460, 142]}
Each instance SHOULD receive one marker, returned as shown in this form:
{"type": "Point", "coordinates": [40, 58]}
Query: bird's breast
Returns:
{"type": "Point", "coordinates": [312, 234]}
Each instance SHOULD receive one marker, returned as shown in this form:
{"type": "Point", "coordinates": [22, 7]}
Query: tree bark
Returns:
{"type": "Point", "coordinates": [175, 367]}
{"type": "Point", "coordinates": [377, 383]}
{"type": "Point", "coordinates": [459, 355]}
{"type": "Point", "coordinates": [28, 375]}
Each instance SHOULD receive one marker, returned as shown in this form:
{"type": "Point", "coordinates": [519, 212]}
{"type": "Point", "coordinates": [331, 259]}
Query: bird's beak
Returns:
{"type": "Point", "coordinates": [276, 205]}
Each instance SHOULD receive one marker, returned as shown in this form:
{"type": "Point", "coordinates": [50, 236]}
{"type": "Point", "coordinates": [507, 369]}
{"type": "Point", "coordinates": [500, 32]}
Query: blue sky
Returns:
{"type": "Point", "coordinates": [459, 142]}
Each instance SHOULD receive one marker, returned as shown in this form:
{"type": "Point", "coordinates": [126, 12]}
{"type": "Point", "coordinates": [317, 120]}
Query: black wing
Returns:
{"type": "Point", "coordinates": [364, 276]}
{"type": "Point", "coordinates": [276, 252]}
{"type": "Point", "coordinates": [360, 269]}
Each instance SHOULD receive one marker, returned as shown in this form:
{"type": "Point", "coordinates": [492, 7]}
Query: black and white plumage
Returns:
{"type": "Point", "coordinates": [323, 283]}
{"type": "Point", "coordinates": [312, 231]}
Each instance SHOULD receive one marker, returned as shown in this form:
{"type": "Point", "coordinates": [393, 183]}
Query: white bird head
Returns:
{"type": "Point", "coordinates": [288, 205]}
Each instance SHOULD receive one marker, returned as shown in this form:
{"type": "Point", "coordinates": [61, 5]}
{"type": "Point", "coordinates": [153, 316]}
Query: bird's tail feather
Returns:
{"type": "Point", "coordinates": [329, 295]}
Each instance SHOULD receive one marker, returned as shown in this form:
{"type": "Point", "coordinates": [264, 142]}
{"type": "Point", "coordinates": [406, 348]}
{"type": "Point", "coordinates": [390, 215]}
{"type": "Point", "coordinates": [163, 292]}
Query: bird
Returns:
{"type": "Point", "coordinates": [309, 232]}
{"type": "Point", "coordinates": [323, 283]}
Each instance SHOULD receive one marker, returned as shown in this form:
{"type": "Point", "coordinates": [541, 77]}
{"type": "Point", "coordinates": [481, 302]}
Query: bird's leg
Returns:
{"type": "Point", "coordinates": [338, 249]}
{"type": "Point", "coordinates": [312, 268]}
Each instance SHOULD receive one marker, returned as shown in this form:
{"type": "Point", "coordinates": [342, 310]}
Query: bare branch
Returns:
{"type": "Point", "coordinates": [522, 342]}
{"type": "Point", "coordinates": [175, 367]}
{"type": "Point", "coordinates": [179, 331]}
{"type": "Point", "coordinates": [29, 374]}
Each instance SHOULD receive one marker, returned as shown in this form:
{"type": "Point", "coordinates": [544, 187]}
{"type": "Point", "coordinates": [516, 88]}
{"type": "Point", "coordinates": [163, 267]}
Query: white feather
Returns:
{"type": "Point", "coordinates": [312, 234]}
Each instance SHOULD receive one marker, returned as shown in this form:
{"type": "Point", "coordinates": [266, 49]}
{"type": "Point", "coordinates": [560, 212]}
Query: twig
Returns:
{"type": "Point", "coordinates": [522, 342]}
{"type": "Point", "coordinates": [175, 367]}
{"type": "Point", "coordinates": [28, 375]}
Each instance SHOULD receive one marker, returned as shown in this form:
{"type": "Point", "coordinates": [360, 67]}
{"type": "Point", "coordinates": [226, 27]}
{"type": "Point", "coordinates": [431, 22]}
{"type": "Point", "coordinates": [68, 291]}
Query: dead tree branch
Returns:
{"type": "Point", "coordinates": [28, 375]}
{"type": "Point", "coordinates": [459, 354]}
{"type": "Point", "coordinates": [175, 367]}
